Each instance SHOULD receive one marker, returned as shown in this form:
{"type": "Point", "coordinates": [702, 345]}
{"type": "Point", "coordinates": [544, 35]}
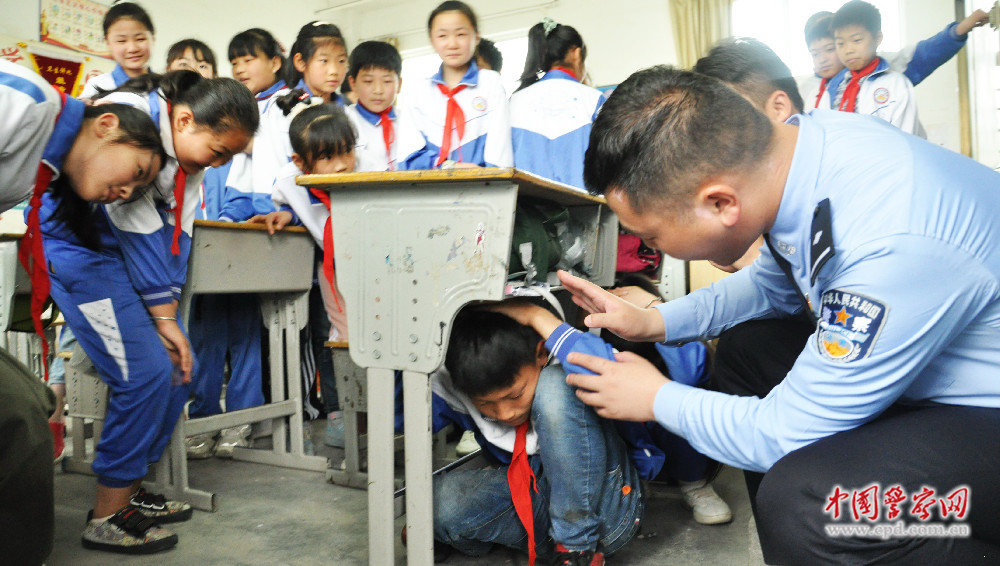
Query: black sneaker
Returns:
{"type": "Point", "coordinates": [129, 532]}
{"type": "Point", "coordinates": [566, 557]}
{"type": "Point", "coordinates": [156, 506]}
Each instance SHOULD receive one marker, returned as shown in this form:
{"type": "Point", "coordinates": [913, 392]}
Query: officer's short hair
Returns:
{"type": "Point", "coordinates": [664, 132]}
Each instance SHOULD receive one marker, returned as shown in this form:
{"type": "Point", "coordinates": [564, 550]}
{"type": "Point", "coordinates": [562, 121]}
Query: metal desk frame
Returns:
{"type": "Point", "coordinates": [413, 248]}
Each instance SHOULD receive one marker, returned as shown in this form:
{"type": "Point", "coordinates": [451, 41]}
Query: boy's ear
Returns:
{"type": "Point", "coordinates": [105, 124]}
{"type": "Point", "coordinates": [183, 118]}
{"type": "Point", "coordinates": [541, 354]}
{"type": "Point", "coordinates": [350, 81]}
{"type": "Point", "coordinates": [300, 64]}
{"type": "Point", "coordinates": [778, 106]}
{"type": "Point", "coordinates": [878, 38]}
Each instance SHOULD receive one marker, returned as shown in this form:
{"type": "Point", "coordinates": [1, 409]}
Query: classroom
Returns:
{"type": "Point", "coordinates": [665, 281]}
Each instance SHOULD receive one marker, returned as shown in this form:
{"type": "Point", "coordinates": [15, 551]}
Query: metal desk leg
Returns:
{"type": "Point", "coordinates": [381, 542]}
{"type": "Point", "coordinates": [419, 498]}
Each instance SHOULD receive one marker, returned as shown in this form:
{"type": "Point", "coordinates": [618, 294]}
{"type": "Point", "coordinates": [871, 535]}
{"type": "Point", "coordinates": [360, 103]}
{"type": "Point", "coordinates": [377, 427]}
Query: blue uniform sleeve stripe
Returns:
{"type": "Point", "coordinates": [23, 85]}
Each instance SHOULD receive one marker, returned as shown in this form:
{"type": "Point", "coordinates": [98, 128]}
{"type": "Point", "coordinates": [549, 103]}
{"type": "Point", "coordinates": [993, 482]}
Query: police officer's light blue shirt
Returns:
{"type": "Point", "coordinates": [909, 303]}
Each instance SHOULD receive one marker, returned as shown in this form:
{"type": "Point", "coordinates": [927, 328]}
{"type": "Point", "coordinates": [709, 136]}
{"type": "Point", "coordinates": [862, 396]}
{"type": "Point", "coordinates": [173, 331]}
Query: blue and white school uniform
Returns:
{"type": "Point", "coordinates": [370, 150]}
{"type": "Point", "coordinates": [105, 82]}
{"type": "Point", "coordinates": [104, 295]}
{"type": "Point", "coordinates": [226, 323]}
{"type": "Point", "coordinates": [550, 126]}
{"type": "Point", "coordinates": [486, 139]}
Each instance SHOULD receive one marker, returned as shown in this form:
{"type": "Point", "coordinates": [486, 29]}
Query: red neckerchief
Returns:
{"type": "Point", "coordinates": [850, 97]}
{"type": "Point", "coordinates": [454, 119]}
{"type": "Point", "coordinates": [324, 197]}
{"type": "Point", "coordinates": [567, 71]}
{"type": "Point", "coordinates": [520, 479]}
{"type": "Point", "coordinates": [388, 136]}
{"type": "Point", "coordinates": [31, 253]}
{"type": "Point", "coordinates": [822, 89]}
{"type": "Point", "coordinates": [180, 181]}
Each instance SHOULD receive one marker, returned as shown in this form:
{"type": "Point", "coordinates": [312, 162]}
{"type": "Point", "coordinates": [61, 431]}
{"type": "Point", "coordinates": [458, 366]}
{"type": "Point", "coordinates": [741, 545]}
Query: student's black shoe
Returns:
{"type": "Point", "coordinates": [566, 557]}
{"type": "Point", "coordinates": [156, 506]}
{"type": "Point", "coordinates": [441, 550]}
{"type": "Point", "coordinates": [129, 532]}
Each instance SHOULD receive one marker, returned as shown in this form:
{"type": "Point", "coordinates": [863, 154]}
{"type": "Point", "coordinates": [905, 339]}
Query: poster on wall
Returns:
{"type": "Point", "coordinates": [76, 24]}
{"type": "Point", "coordinates": [66, 70]}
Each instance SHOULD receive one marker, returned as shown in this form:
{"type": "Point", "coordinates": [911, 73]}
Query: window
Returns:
{"type": "Point", "coordinates": [780, 23]}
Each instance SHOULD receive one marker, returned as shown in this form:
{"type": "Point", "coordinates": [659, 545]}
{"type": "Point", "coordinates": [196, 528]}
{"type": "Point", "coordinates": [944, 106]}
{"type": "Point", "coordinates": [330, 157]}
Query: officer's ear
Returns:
{"type": "Point", "coordinates": [719, 201]}
{"type": "Point", "coordinates": [778, 106]}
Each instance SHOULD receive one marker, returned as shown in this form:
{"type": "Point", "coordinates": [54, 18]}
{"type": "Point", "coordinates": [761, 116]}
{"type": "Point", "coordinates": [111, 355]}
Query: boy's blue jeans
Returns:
{"type": "Point", "coordinates": [582, 470]}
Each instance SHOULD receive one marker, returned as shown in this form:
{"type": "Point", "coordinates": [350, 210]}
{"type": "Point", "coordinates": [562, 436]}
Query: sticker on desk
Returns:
{"type": "Point", "coordinates": [849, 325]}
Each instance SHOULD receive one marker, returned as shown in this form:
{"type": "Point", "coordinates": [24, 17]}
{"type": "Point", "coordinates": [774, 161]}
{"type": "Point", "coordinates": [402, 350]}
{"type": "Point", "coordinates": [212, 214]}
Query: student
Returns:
{"type": "Point", "coordinates": [128, 32]}
{"type": "Point", "coordinates": [319, 61]}
{"type": "Point", "coordinates": [550, 117]}
{"type": "Point", "coordinates": [916, 62]}
{"type": "Point", "coordinates": [382, 134]}
{"type": "Point", "coordinates": [499, 381]}
{"type": "Point", "coordinates": [323, 141]}
{"type": "Point", "coordinates": [870, 87]}
{"type": "Point", "coordinates": [192, 55]}
{"type": "Point", "coordinates": [488, 57]}
{"type": "Point", "coordinates": [116, 275]}
{"type": "Point", "coordinates": [461, 110]}
{"type": "Point", "coordinates": [898, 386]}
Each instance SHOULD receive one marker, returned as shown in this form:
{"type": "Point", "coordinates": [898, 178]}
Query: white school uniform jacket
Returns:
{"type": "Point", "coordinates": [144, 226]}
{"type": "Point", "coordinates": [486, 140]}
{"type": "Point", "coordinates": [550, 126]}
{"type": "Point", "coordinates": [107, 81]}
{"type": "Point", "coordinates": [306, 209]}
{"type": "Point", "coordinates": [28, 110]}
{"type": "Point", "coordinates": [369, 150]}
{"type": "Point", "coordinates": [887, 95]}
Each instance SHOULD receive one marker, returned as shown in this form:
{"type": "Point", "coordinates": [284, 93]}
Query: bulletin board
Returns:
{"type": "Point", "coordinates": [74, 24]}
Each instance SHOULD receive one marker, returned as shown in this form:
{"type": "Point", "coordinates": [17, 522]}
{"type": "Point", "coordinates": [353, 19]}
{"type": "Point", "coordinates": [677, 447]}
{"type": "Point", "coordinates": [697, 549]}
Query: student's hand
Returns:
{"type": "Point", "coordinates": [636, 295]}
{"type": "Point", "coordinates": [467, 166]}
{"type": "Point", "coordinates": [539, 318]}
{"type": "Point", "coordinates": [273, 220]}
{"type": "Point", "coordinates": [608, 311]}
{"type": "Point", "coordinates": [974, 20]}
{"type": "Point", "coordinates": [177, 346]}
{"type": "Point", "coordinates": [623, 390]}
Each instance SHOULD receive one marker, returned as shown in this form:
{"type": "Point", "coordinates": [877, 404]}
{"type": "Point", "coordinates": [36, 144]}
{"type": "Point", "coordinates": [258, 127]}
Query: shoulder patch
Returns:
{"type": "Point", "coordinates": [881, 95]}
{"type": "Point", "coordinates": [849, 324]}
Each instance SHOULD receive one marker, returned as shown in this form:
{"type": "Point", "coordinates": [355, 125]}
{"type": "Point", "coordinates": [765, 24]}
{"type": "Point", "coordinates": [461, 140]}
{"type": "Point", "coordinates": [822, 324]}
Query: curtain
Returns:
{"type": "Point", "coordinates": [698, 24]}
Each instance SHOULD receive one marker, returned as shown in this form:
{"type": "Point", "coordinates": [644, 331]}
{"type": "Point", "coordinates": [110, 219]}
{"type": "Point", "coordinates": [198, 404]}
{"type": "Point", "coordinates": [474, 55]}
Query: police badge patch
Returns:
{"type": "Point", "coordinates": [849, 324]}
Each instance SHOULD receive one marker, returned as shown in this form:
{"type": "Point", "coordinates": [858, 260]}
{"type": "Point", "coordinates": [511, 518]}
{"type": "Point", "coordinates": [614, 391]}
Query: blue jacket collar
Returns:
{"type": "Point", "coordinates": [337, 99]}
{"type": "Point", "coordinates": [65, 132]}
{"type": "Point", "coordinates": [269, 91]}
{"type": "Point", "coordinates": [554, 74]}
{"type": "Point", "coordinates": [119, 75]}
{"type": "Point", "coordinates": [371, 117]}
{"type": "Point", "coordinates": [470, 78]}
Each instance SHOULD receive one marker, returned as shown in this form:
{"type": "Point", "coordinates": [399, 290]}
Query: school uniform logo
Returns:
{"type": "Point", "coordinates": [849, 324]}
{"type": "Point", "coordinates": [479, 103]}
{"type": "Point", "coordinates": [881, 95]}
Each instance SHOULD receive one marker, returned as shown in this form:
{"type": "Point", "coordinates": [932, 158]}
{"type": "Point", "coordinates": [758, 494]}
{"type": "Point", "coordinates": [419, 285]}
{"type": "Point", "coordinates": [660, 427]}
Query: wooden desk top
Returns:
{"type": "Point", "coordinates": [245, 226]}
{"type": "Point", "coordinates": [528, 183]}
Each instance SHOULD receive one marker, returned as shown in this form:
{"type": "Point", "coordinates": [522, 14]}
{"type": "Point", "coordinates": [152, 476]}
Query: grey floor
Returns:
{"type": "Point", "coordinates": [275, 516]}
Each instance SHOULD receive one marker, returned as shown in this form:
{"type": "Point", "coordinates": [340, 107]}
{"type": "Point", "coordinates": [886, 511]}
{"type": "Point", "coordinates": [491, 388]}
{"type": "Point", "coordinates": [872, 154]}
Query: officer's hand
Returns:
{"type": "Point", "coordinates": [611, 312]}
{"type": "Point", "coordinates": [621, 390]}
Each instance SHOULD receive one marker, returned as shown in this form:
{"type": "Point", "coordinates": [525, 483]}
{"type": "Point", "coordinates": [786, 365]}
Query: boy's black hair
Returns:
{"type": "Point", "coordinates": [546, 50]}
{"type": "Point", "coordinates": [818, 27]}
{"type": "Point", "coordinates": [201, 51]}
{"type": "Point", "coordinates": [321, 131]}
{"type": "Point", "coordinates": [127, 10]}
{"type": "Point", "coordinates": [751, 69]}
{"type": "Point", "coordinates": [135, 128]}
{"type": "Point", "coordinates": [490, 54]}
{"type": "Point", "coordinates": [665, 132]}
{"type": "Point", "coordinates": [454, 6]}
{"type": "Point", "coordinates": [311, 37]}
{"type": "Point", "coordinates": [858, 12]}
{"type": "Point", "coordinates": [373, 55]}
{"type": "Point", "coordinates": [257, 42]}
{"type": "Point", "coordinates": [219, 104]}
{"type": "Point", "coordinates": [487, 350]}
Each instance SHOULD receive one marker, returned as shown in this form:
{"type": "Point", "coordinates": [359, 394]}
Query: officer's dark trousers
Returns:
{"type": "Point", "coordinates": [939, 447]}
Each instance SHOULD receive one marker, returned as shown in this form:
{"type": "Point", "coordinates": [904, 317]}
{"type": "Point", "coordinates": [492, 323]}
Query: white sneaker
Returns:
{"type": "Point", "coordinates": [200, 446]}
{"type": "Point", "coordinates": [230, 438]}
{"type": "Point", "coordinates": [708, 507]}
{"type": "Point", "coordinates": [467, 445]}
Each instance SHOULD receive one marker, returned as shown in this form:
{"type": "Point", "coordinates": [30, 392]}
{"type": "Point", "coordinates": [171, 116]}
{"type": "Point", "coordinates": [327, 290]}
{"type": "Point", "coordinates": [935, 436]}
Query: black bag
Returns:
{"type": "Point", "coordinates": [534, 246]}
